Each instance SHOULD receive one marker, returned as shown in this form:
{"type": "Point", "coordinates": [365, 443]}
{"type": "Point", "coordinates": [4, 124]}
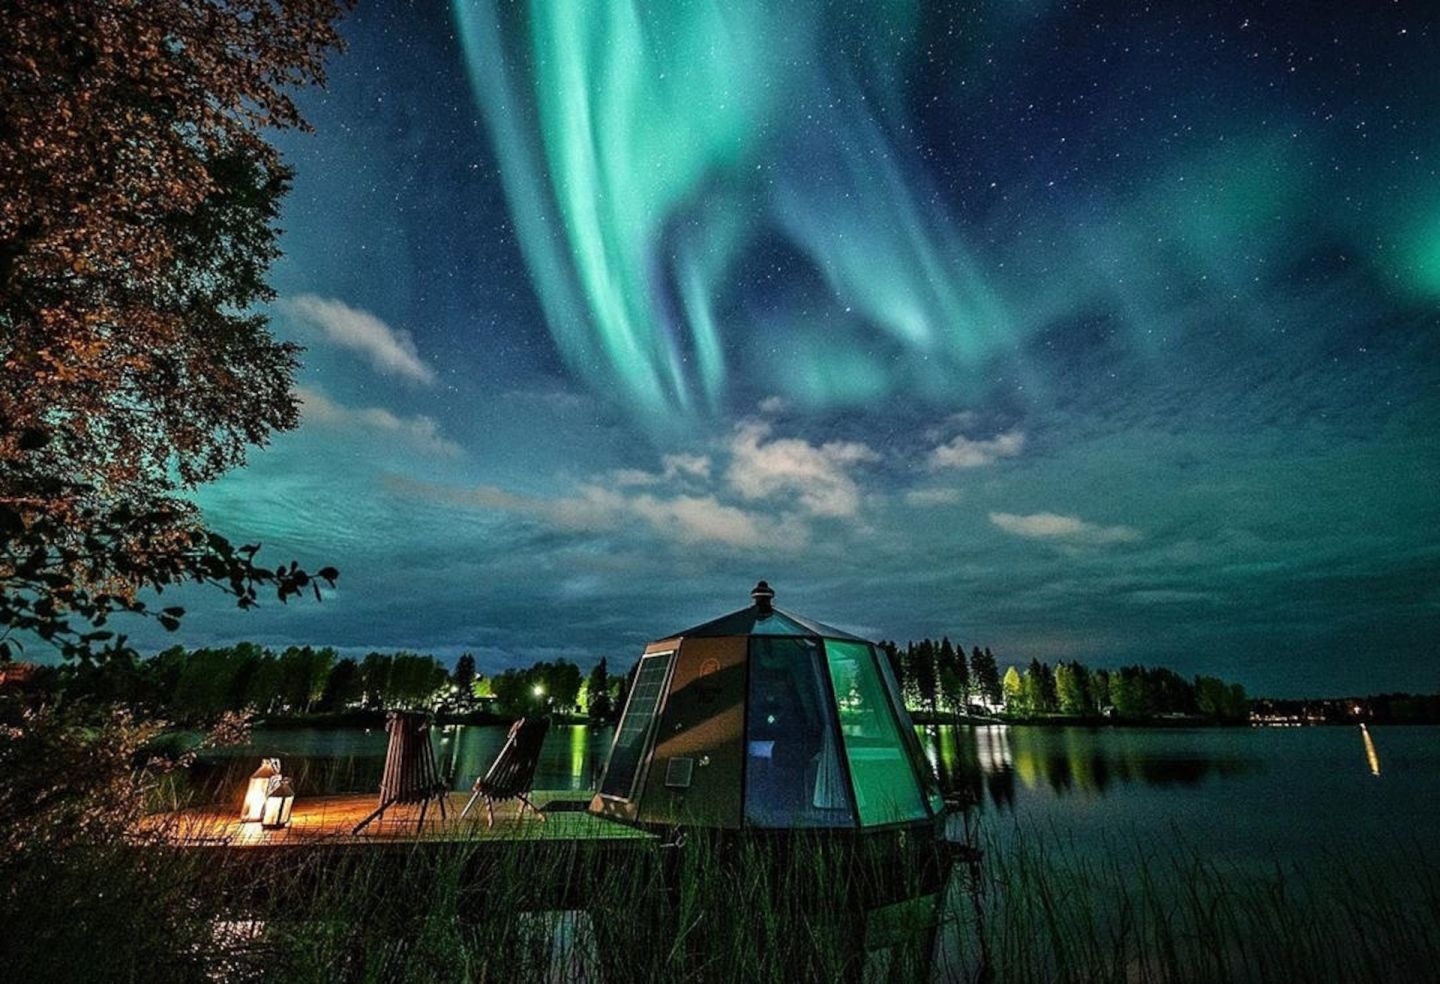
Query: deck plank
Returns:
{"type": "Point", "coordinates": [328, 820]}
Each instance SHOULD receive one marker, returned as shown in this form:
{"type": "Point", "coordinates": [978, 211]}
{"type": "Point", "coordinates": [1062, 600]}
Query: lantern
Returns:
{"type": "Point", "coordinates": [258, 788]}
{"type": "Point", "coordinates": [277, 806]}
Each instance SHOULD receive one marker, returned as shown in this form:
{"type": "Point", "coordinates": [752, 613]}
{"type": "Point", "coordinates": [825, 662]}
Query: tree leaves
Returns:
{"type": "Point", "coordinates": [44, 593]}
{"type": "Point", "coordinates": [138, 200]}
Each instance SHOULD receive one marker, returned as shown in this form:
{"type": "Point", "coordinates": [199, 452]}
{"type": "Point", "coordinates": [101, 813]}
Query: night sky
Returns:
{"type": "Point", "coordinates": [1085, 331]}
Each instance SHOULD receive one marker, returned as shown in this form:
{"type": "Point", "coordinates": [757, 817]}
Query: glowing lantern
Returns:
{"type": "Point", "coordinates": [259, 788]}
{"type": "Point", "coordinates": [277, 806]}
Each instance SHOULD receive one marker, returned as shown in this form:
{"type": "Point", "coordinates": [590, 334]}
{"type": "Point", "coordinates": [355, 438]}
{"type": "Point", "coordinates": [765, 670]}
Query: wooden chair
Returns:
{"type": "Point", "coordinates": [411, 775]}
{"type": "Point", "coordinates": [512, 774]}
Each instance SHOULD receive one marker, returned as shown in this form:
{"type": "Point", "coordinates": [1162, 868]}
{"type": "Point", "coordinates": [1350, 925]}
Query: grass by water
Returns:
{"type": "Point", "coordinates": [804, 909]}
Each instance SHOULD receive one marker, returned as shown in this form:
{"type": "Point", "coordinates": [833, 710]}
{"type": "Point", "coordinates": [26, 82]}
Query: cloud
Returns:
{"type": "Point", "coordinates": [1064, 529]}
{"type": "Point", "coordinates": [684, 519]}
{"type": "Point", "coordinates": [964, 452]}
{"type": "Point", "coordinates": [772, 405]}
{"type": "Point", "coordinates": [932, 497]}
{"type": "Point", "coordinates": [419, 432]}
{"type": "Point", "coordinates": [694, 465]}
{"type": "Point", "coordinates": [674, 467]}
{"type": "Point", "coordinates": [701, 519]}
{"type": "Point", "coordinates": [628, 477]}
{"type": "Point", "coordinates": [819, 475]}
{"type": "Point", "coordinates": [391, 351]}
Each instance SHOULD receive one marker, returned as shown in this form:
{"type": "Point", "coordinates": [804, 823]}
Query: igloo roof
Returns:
{"type": "Point", "coordinates": [750, 621]}
{"type": "Point", "coordinates": [762, 619]}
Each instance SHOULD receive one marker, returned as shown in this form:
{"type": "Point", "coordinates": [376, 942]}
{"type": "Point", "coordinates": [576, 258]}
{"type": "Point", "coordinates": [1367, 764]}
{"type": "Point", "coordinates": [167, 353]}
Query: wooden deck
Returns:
{"type": "Point", "coordinates": [328, 821]}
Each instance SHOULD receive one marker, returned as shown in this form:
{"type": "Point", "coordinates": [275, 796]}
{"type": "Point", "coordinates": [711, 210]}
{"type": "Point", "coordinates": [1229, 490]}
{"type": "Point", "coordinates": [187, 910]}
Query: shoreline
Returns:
{"type": "Point", "coordinates": [376, 719]}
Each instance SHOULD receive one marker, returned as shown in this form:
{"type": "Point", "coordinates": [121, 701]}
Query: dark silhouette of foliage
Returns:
{"type": "Point", "coordinates": [463, 676]}
{"type": "Point", "coordinates": [137, 205]}
{"type": "Point", "coordinates": [985, 674]}
{"type": "Point", "coordinates": [598, 689]}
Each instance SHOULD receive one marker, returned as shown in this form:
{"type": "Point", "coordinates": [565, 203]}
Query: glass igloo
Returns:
{"type": "Point", "coordinates": [765, 719]}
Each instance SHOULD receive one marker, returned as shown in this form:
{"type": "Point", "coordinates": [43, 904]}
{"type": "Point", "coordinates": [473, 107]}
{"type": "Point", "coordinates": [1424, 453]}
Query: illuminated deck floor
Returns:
{"type": "Point", "coordinates": [328, 821]}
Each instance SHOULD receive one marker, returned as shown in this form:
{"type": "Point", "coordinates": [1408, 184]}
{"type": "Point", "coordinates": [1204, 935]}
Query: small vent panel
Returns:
{"type": "Point", "coordinates": [679, 772]}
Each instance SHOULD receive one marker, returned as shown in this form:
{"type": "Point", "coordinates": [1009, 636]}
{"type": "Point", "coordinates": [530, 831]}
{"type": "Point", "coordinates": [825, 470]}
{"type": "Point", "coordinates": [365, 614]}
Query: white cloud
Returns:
{"type": "Point", "coordinates": [1064, 529]}
{"type": "Point", "coordinates": [420, 432]}
{"type": "Point", "coordinates": [625, 478]}
{"type": "Point", "coordinates": [694, 465]}
{"type": "Point", "coordinates": [818, 475]}
{"type": "Point", "coordinates": [390, 350]}
{"type": "Point", "coordinates": [932, 497]}
{"type": "Point", "coordinates": [686, 502]}
{"type": "Point", "coordinates": [964, 452]}
{"type": "Point", "coordinates": [684, 519]}
{"type": "Point", "coordinates": [674, 467]}
{"type": "Point", "coordinates": [772, 405]}
{"type": "Point", "coordinates": [700, 519]}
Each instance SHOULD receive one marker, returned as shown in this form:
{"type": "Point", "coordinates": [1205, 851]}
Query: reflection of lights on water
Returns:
{"type": "Point", "coordinates": [579, 747]}
{"type": "Point", "coordinates": [1371, 754]}
{"type": "Point", "coordinates": [992, 748]}
{"type": "Point", "coordinates": [232, 940]}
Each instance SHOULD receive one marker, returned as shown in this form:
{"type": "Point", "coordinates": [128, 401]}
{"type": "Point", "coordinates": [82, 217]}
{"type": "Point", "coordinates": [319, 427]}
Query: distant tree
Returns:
{"type": "Point", "coordinates": [303, 672]}
{"type": "Point", "coordinates": [1100, 689]}
{"type": "Point", "coordinates": [248, 657]}
{"type": "Point", "coordinates": [1215, 698]}
{"type": "Point", "coordinates": [953, 676]}
{"type": "Point", "coordinates": [464, 675]}
{"type": "Point", "coordinates": [415, 680]}
{"type": "Point", "coordinates": [343, 687]}
{"type": "Point", "coordinates": [203, 684]}
{"type": "Point", "coordinates": [1070, 685]}
{"type": "Point", "coordinates": [597, 687]}
{"type": "Point", "coordinates": [375, 671]}
{"type": "Point", "coordinates": [1014, 692]}
{"type": "Point", "coordinates": [568, 681]}
{"type": "Point", "coordinates": [513, 692]}
{"type": "Point", "coordinates": [921, 671]}
{"type": "Point", "coordinates": [1238, 706]}
{"type": "Point", "coordinates": [262, 690]}
{"type": "Point", "coordinates": [986, 674]}
{"type": "Point", "coordinates": [162, 673]}
{"type": "Point", "coordinates": [1166, 692]}
{"type": "Point", "coordinates": [1127, 692]}
{"type": "Point", "coordinates": [1040, 688]}
{"type": "Point", "coordinates": [540, 687]}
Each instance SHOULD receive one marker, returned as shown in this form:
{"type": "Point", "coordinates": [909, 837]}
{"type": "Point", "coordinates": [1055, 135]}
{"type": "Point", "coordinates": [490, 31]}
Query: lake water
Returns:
{"type": "Point", "coordinates": [1257, 803]}
{"type": "Point", "coordinates": [1238, 793]}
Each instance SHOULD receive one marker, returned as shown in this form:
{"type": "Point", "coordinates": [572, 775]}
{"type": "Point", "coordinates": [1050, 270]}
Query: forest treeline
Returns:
{"type": "Point", "coordinates": [194, 685]}
{"type": "Point", "coordinates": [937, 677]}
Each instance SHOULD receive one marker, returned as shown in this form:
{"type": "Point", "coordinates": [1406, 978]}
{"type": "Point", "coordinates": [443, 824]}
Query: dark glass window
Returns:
{"type": "Point", "coordinates": [628, 751]}
{"type": "Point", "coordinates": [793, 773]}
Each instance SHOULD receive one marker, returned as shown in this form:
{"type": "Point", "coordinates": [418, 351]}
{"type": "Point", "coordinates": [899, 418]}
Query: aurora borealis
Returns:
{"type": "Point", "coordinates": [1097, 331]}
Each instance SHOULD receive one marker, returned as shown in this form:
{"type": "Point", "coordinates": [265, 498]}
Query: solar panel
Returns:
{"type": "Point", "coordinates": [630, 740]}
